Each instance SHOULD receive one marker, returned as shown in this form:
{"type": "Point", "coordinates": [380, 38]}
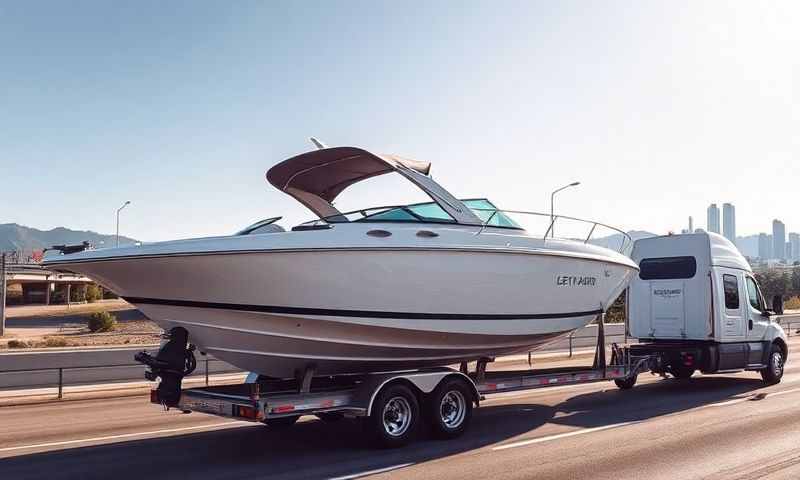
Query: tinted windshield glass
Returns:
{"type": "Point", "coordinates": [421, 212]}
{"type": "Point", "coordinates": [667, 268]}
{"type": "Point", "coordinates": [487, 212]}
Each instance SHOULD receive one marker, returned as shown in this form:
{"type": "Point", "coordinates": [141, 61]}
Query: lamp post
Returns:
{"type": "Point", "coordinates": [128, 202]}
{"type": "Point", "coordinates": [552, 209]}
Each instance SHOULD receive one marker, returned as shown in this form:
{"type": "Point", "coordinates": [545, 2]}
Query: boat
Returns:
{"type": "Point", "coordinates": [378, 289]}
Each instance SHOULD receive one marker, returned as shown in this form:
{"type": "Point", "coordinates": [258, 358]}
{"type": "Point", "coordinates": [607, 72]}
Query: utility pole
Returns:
{"type": "Point", "coordinates": [2, 294]}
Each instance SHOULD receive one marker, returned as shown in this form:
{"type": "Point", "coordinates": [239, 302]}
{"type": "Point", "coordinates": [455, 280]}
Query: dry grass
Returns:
{"type": "Point", "coordinates": [792, 303]}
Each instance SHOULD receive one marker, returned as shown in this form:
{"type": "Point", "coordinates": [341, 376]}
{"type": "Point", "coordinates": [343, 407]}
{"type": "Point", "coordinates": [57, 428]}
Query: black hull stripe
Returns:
{"type": "Point", "coordinates": [325, 312]}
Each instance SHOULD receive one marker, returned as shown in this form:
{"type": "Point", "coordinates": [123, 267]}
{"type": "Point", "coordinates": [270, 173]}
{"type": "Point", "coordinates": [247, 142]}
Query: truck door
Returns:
{"type": "Point", "coordinates": [732, 321]}
{"type": "Point", "coordinates": [757, 322]}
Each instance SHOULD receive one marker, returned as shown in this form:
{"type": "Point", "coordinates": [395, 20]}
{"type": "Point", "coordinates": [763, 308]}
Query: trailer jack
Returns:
{"type": "Point", "coordinates": [174, 360]}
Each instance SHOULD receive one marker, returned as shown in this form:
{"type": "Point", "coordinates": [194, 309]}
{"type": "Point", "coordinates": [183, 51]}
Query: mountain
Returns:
{"type": "Point", "coordinates": [14, 237]}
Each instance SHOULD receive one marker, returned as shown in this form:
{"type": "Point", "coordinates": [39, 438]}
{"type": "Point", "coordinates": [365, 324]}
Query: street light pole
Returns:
{"type": "Point", "coordinates": [2, 293]}
{"type": "Point", "coordinates": [128, 202]}
{"type": "Point", "coordinates": [552, 209]}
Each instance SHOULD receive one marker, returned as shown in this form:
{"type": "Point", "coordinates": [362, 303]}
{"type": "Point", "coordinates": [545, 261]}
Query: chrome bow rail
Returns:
{"type": "Point", "coordinates": [626, 242]}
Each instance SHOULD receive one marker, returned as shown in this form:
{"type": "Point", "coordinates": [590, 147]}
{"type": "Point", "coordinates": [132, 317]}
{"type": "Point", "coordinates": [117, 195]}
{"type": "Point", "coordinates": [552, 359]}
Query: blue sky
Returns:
{"type": "Point", "coordinates": [658, 108]}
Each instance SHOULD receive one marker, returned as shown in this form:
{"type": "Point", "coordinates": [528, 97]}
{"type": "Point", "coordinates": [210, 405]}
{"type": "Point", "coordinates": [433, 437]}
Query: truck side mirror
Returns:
{"type": "Point", "coordinates": [777, 304]}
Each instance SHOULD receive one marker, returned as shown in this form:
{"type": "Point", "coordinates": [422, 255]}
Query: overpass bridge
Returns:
{"type": "Point", "coordinates": [32, 283]}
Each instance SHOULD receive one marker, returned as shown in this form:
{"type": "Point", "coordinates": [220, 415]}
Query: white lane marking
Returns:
{"type": "Point", "coordinates": [783, 392]}
{"type": "Point", "coordinates": [750, 398]}
{"type": "Point", "coordinates": [549, 438]}
{"type": "Point", "coordinates": [127, 435]}
{"type": "Point", "coordinates": [372, 472]}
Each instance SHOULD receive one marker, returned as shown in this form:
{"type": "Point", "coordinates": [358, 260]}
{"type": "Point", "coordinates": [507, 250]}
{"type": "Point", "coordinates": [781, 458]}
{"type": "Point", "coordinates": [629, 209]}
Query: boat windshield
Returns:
{"type": "Point", "coordinates": [428, 212]}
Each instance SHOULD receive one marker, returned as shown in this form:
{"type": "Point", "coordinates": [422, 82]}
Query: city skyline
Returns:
{"type": "Point", "coordinates": [778, 243]}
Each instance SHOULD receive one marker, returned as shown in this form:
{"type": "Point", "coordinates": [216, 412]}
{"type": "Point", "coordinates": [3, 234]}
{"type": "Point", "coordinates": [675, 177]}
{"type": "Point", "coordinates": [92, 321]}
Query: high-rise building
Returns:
{"type": "Point", "coordinates": [729, 222]}
{"type": "Point", "coordinates": [789, 251]}
{"type": "Point", "coordinates": [794, 240]}
{"type": "Point", "coordinates": [691, 224]}
{"type": "Point", "coordinates": [712, 222]}
{"type": "Point", "coordinates": [764, 246]}
{"type": "Point", "coordinates": [778, 240]}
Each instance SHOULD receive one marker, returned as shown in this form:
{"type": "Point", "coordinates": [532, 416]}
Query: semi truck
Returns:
{"type": "Point", "coordinates": [695, 305]}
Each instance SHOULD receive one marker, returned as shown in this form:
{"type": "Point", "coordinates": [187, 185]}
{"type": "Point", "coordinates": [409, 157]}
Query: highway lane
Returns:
{"type": "Point", "coordinates": [715, 426]}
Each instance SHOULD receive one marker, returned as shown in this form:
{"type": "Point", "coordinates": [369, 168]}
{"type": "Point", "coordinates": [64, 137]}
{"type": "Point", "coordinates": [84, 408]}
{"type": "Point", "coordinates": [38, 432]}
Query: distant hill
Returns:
{"type": "Point", "coordinates": [14, 237]}
{"type": "Point", "coordinates": [614, 241]}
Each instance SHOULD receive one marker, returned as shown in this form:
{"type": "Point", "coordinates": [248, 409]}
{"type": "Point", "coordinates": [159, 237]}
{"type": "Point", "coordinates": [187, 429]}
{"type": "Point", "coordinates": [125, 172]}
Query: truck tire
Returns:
{"type": "Point", "coordinates": [774, 371]}
{"type": "Point", "coordinates": [394, 418]}
{"type": "Point", "coordinates": [281, 422]}
{"type": "Point", "coordinates": [681, 373]}
{"type": "Point", "coordinates": [449, 408]}
{"type": "Point", "coordinates": [626, 383]}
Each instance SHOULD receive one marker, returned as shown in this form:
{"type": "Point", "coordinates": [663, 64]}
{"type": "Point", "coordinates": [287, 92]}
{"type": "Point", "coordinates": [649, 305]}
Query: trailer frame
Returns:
{"type": "Point", "coordinates": [282, 401]}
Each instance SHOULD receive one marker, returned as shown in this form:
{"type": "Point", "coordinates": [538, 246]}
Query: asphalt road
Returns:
{"type": "Point", "coordinates": [725, 427]}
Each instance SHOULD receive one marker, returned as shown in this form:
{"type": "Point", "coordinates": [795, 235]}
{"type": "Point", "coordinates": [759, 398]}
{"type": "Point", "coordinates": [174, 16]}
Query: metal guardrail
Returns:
{"type": "Point", "coordinates": [60, 384]}
{"type": "Point", "coordinates": [608, 339]}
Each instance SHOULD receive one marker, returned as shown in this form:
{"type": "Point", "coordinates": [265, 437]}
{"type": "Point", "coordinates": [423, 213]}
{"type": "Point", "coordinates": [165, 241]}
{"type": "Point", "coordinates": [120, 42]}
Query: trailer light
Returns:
{"type": "Point", "coordinates": [247, 412]}
{"type": "Point", "coordinates": [688, 359]}
{"type": "Point", "coordinates": [283, 409]}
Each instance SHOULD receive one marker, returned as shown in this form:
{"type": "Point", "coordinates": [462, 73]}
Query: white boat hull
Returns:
{"type": "Point", "coordinates": [357, 310]}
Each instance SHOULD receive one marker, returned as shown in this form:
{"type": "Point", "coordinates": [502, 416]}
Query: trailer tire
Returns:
{"type": "Point", "coordinates": [626, 383]}
{"type": "Point", "coordinates": [281, 422]}
{"type": "Point", "coordinates": [449, 408]}
{"type": "Point", "coordinates": [774, 371]}
{"type": "Point", "coordinates": [394, 418]}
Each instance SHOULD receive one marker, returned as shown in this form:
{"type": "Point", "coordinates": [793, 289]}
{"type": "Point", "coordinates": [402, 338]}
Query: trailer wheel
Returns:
{"type": "Point", "coordinates": [626, 383]}
{"type": "Point", "coordinates": [394, 417]}
{"type": "Point", "coordinates": [774, 371]}
{"type": "Point", "coordinates": [281, 422]}
{"type": "Point", "coordinates": [449, 408]}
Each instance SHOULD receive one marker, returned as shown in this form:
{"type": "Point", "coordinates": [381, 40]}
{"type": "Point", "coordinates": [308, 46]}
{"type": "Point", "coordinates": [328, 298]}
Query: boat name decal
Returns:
{"type": "Point", "coordinates": [572, 281]}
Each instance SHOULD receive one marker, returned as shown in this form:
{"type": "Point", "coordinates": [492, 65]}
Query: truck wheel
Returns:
{"type": "Point", "coordinates": [394, 417]}
{"type": "Point", "coordinates": [281, 422]}
{"type": "Point", "coordinates": [774, 371]}
{"type": "Point", "coordinates": [626, 383]}
{"type": "Point", "coordinates": [681, 373]}
{"type": "Point", "coordinates": [449, 408]}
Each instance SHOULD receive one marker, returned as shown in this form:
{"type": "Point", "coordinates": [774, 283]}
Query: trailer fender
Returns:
{"type": "Point", "coordinates": [423, 382]}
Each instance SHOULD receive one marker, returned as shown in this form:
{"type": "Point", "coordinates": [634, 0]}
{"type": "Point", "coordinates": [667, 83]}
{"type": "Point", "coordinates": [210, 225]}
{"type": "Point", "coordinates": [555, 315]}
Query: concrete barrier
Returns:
{"type": "Point", "coordinates": [33, 369]}
{"type": "Point", "coordinates": [41, 368]}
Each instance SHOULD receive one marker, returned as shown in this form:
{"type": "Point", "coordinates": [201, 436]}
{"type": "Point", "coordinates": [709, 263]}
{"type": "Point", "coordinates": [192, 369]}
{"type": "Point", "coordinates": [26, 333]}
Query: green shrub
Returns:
{"type": "Point", "coordinates": [792, 303]}
{"type": "Point", "coordinates": [92, 293]}
{"type": "Point", "coordinates": [17, 344]}
{"type": "Point", "coordinates": [102, 322]}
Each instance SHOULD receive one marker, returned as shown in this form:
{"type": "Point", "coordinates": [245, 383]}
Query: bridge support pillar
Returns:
{"type": "Point", "coordinates": [47, 288]}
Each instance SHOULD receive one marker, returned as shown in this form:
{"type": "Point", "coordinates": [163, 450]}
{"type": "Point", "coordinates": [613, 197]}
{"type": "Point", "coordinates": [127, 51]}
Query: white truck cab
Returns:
{"type": "Point", "coordinates": [697, 306]}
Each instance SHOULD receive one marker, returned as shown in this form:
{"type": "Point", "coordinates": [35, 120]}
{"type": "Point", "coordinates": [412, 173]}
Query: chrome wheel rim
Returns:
{"type": "Point", "coordinates": [396, 416]}
{"type": "Point", "coordinates": [453, 409]}
{"type": "Point", "coordinates": [777, 364]}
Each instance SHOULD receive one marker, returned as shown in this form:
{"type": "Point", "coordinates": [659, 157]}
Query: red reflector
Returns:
{"type": "Point", "coordinates": [154, 396]}
{"type": "Point", "coordinates": [283, 408]}
{"type": "Point", "coordinates": [248, 412]}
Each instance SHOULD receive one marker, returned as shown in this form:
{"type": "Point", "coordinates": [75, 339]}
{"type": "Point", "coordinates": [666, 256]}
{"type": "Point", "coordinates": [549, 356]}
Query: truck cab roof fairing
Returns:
{"type": "Point", "coordinates": [316, 178]}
